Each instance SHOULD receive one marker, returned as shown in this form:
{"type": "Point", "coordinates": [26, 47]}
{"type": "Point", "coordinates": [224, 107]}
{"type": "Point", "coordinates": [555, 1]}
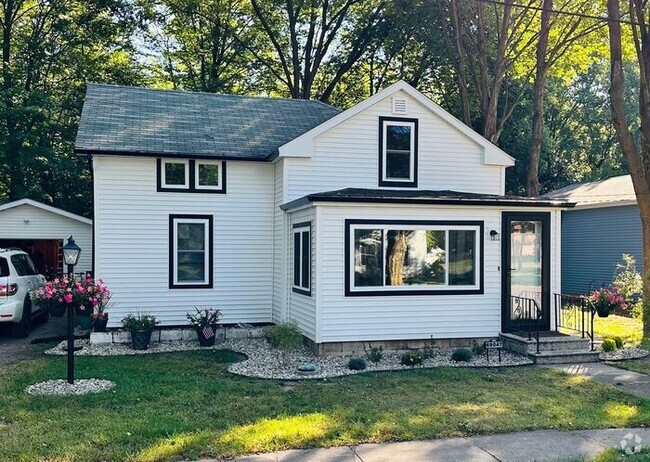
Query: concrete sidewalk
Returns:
{"type": "Point", "coordinates": [542, 445]}
{"type": "Point", "coordinates": [628, 381]}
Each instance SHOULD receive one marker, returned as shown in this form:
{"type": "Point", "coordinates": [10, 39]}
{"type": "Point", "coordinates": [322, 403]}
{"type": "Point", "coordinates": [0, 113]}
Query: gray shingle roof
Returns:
{"type": "Point", "coordinates": [416, 196]}
{"type": "Point", "coordinates": [618, 189]}
{"type": "Point", "coordinates": [133, 120]}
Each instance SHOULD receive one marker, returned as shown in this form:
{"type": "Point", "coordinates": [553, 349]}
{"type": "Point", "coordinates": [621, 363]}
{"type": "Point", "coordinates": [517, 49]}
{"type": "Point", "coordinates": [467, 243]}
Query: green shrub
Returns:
{"type": "Point", "coordinates": [461, 355]}
{"type": "Point", "coordinates": [141, 321]}
{"type": "Point", "coordinates": [412, 358]}
{"type": "Point", "coordinates": [609, 345]}
{"type": "Point", "coordinates": [357, 364]}
{"type": "Point", "coordinates": [619, 341]}
{"type": "Point", "coordinates": [375, 354]}
{"type": "Point", "coordinates": [284, 336]}
{"type": "Point", "coordinates": [478, 349]}
{"type": "Point", "coordinates": [429, 351]}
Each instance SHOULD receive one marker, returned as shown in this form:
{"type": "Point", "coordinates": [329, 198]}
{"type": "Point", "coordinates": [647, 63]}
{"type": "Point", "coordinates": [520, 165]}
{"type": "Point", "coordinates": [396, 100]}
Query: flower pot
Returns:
{"type": "Point", "coordinates": [206, 341]}
{"type": "Point", "coordinates": [99, 324]}
{"type": "Point", "coordinates": [85, 322]}
{"type": "Point", "coordinates": [57, 310]}
{"type": "Point", "coordinates": [603, 309]}
{"type": "Point", "coordinates": [140, 339]}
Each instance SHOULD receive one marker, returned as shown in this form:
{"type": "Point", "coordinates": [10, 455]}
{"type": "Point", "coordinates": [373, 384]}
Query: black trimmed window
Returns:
{"type": "Point", "coordinates": [398, 152]}
{"type": "Point", "coordinates": [191, 175]}
{"type": "Point", "coordinates": [190, 251]}
{"type": "Point", "coordinates": [302, 258]}
{"type": "Point", "coordinates": [413, 257]}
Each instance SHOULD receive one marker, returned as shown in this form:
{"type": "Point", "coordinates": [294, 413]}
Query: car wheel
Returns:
{"type": "Point", "coordinates": [22, 328]}
{"type": "Point", "coordinates": [45, 315]}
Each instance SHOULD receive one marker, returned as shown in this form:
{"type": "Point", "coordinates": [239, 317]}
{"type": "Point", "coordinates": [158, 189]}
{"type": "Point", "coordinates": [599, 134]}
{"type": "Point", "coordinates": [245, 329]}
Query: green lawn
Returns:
{"type": "Point", "coordinates": [629, 329]}
{"type": "Point", "coordinates": [184, 405]}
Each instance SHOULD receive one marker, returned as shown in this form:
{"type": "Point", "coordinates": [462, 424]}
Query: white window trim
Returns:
{"type": "Point", "coordinates": [384, 174]}
{"type": "Point", "coordinates": [206, 251]}
{"type": "Point", "coordinates": [414, 287]}
{"type": "Point", "coordinates": [299, 231]}
{"type": "Point", "coordinates": [197, 186]}
{"type": "Point", "coordinates": [164, 173]}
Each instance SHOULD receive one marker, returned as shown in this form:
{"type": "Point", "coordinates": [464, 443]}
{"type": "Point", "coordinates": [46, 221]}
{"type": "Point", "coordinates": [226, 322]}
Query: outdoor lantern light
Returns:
{"type": "Point", "coordinates": [494, 235]}
{"type": "Point", "coordinates": [71, 253]}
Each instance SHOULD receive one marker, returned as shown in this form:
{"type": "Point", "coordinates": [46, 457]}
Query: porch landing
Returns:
{"type": "Point", "coordinates": [554, 347]}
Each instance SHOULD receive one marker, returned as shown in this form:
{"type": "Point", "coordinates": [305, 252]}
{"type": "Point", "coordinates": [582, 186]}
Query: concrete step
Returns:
{"type": "Point", "coordinates": [555, 343]}
{"type": "Point", "coordinates": [564, 357]}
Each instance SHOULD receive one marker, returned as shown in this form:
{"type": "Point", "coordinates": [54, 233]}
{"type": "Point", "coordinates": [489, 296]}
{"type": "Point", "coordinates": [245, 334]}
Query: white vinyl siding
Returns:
{"type": "Point", "coordinates": [408, 316]}
{"type": "Point", "coordinates": [280, 257]}
{"type": "Point", "coordinates": [348, 156]}
{"type": "Point", "coordinates": [132, 221]}
{"type": "Point", "coordinates": [302, 308]}
{"type": "Point", "coordinates": [29, 222]}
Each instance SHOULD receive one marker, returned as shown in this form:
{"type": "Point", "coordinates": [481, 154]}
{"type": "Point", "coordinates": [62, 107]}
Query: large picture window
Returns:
{"type": "Point", "coordinates": [190, 251]}
{"type": "Point", "coordinates": [302, 258]}
{"type": "Point", "coordinates": [392, 258]}
{"type": "Point", "coordinates": [191, 175]}
{"type": "Point", "coordinates": [398, 152]}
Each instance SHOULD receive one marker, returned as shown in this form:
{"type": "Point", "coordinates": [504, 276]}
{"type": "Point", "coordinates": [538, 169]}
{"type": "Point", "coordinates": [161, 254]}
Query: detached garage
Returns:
{"type": "Point", "coordinates": [41, 231]}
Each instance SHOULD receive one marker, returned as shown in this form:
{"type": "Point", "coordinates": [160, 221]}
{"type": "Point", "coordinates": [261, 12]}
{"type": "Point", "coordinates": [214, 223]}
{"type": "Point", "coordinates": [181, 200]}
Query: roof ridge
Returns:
{"type": "Point", "coordinates": [226, 95]}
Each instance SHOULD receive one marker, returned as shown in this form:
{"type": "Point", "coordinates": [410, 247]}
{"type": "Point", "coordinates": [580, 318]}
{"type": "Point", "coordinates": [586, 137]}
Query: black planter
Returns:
{"type": "Point", "coordinates": [99, 324]}
{"type": "Point", "coordinates": [57, 310]}
{"type": "Point", "coordinates": [203, 341]}
{"type": "Point", "coordinates": [140, 339]}
{"type": "Point", "coordinates": [603, 309]}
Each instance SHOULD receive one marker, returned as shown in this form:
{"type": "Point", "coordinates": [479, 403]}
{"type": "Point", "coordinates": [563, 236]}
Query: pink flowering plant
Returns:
{"type": "Point", "coordinates": [87, 296]}
{"type": "Point", "coordinates": [607, 300]}
{"type": "Point", "coordinates": [204, 316]}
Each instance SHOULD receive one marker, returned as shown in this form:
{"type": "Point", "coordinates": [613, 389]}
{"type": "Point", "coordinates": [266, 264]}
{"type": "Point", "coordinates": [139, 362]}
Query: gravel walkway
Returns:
{"type": "Point", "coordinates": [265, 362]}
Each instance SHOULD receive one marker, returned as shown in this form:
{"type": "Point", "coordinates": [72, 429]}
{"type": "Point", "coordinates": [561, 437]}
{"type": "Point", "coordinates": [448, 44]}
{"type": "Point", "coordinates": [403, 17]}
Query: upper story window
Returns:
{"type": "Point", "coordinates": [398, 152]}
{"type": "Point", "coordinates": [191, 175]}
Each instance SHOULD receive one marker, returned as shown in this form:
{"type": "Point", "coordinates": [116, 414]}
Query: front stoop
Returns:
{"type": "Point", "coordinates": [560, 349]}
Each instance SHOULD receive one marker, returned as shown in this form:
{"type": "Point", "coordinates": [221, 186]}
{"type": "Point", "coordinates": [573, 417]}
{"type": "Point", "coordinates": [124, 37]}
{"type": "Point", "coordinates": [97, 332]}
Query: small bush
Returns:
{"type": "Point", "coordinates": [375, 354]}
{"type": "Point", "coordinates": [429, 351]}
{"type": "Point", "coordinates": [412, 358]}
{"type": "Point", "coordinates": [284, 336]}
{"type": "Point", "coordinates": [357, 364]}
{"type": "Point", "coordinates": [461, 355]}
{"type": "Point", "coordinates": [609, 345]}
{"type": "Point", "coordinates": [619, 341]}
{"type": "Point", "coordinates": [478, 349]}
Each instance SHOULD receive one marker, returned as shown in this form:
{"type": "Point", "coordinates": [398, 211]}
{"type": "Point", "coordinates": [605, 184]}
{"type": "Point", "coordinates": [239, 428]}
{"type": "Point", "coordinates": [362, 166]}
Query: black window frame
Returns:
{"type": "Point", "coordinates": [393, 183]}
{"type": "Point", "coordinates": [374, 292]}
{"type": "Point", "coordinates": [209, 251]}
{"type": "Point", "coordinates": [299, 229]}
{"type": "Point", "coordinates": [192, 165]}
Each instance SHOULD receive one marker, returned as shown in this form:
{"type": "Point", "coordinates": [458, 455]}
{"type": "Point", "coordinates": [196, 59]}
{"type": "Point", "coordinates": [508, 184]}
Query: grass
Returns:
{"type": "Point", "coordinates": [186, 405]}
{"type": "Point", "coordinates": [629, 329]}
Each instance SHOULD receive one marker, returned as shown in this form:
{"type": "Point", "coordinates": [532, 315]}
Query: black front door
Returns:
{"type": "Point", "coordinates": [526, 277]}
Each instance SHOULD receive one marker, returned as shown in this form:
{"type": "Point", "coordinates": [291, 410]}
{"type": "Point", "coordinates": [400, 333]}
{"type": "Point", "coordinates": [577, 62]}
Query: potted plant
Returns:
{"type": "Point", "coordinates": [140, 326]}
{"type": "Point", "coordinates": [606, 300]}
{"type": "Point", "coordinates": [100, 316]}
{"type": "Point", "coordinates": [205, 320]}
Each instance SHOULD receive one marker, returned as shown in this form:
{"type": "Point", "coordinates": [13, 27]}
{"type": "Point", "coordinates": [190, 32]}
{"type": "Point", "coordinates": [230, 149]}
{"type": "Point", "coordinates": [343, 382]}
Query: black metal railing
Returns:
{"type": "Point", "coordinates": [526, 314]}
{"type": "Point", "coordinates": [575, 313]}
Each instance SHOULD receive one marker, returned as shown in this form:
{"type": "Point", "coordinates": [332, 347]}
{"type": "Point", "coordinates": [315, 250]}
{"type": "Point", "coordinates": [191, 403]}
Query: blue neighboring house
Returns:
{"type": "Point", "coordinates": [604, 225]}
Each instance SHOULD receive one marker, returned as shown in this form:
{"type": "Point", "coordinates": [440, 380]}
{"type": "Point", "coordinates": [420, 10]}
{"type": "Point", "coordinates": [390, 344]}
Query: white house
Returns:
{"type": "Point", "coordinates": [41, 230]}
{"type": "Point", "coordinates": [384, 222]}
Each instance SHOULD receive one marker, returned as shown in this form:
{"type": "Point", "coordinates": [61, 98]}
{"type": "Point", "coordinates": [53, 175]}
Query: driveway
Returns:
{"type": "Point", "coordinates": [16, 349]}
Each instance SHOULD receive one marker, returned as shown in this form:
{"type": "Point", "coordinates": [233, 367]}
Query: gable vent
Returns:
{"type": "Point", "coordinates": [399, 106]}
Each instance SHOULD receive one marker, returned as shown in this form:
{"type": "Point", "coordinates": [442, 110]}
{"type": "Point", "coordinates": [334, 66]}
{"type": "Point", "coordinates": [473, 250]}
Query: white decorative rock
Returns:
{"type": "Point", "coordinates": [101, 337]}
{"type": "Point", "coordinates": [63, 388]}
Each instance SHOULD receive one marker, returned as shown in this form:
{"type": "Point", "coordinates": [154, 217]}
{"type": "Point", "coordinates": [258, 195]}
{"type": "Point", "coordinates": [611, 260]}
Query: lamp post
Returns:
{"type": "Point", "coordinates": [71, 253]}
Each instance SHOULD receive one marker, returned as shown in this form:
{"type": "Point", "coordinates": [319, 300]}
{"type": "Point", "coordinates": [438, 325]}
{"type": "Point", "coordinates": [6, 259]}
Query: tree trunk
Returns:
{"type": "Point", "coordinates": [538, 100]}
{"type": "Point", "coordinates": [396, 259]}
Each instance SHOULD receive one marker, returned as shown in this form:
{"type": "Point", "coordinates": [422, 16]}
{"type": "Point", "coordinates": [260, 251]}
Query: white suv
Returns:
{"type": "Point", "coordinates": [18, 278]}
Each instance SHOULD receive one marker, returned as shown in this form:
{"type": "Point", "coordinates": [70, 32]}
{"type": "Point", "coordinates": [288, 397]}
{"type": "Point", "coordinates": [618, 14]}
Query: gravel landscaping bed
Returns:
{"type": "Point", "coordinates": [62, 388]}
{"type": "Point", "coordinates": [623, 354]}
{"type": "Point", "coordinates": [265, 362]}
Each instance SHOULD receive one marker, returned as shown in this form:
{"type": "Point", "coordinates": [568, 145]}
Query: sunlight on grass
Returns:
{"type": "Point", "coordinates": [299, 430]}
{"type": "Point", "coordinates": [619, 412]}
{"type": "Point", "coordinates": [629, 329]}
{"type": "Point", "coordinates": [172, 446]}
{"type": "Point", "coordinates": [577, 380]}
